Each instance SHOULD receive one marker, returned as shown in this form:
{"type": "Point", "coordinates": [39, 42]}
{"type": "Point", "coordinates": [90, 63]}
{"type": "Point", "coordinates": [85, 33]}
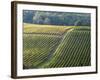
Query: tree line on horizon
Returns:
{"type": "Point", "coordinates": [57, 18]}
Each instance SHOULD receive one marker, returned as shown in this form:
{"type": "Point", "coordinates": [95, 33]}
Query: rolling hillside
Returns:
{"type": "Point", "coordinates": [49, 46]}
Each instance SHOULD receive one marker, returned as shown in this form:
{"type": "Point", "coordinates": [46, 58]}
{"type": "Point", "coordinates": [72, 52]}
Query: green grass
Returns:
{"type": "Point", "coordinates": [71, 48]}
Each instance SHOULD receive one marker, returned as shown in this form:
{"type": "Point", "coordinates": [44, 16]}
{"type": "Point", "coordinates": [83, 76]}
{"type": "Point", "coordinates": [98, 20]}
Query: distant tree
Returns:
{"type": "Point", "coordinates": [77, 22]}
{"type": "Point", "coordinates": [47, 21]}
{"type": "Point", "coordinates": [27, 16]}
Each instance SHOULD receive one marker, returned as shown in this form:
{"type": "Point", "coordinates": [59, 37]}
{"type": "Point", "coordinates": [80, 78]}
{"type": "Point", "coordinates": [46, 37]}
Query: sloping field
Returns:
{"type": "Point", "coordinates": [45, 29]}
{"type": "Point", "coordinates": [38, 49]}
{"type": "Point", "coordinates": [70, 48]}
{"type": "Point", "coordinates": [74, 50]}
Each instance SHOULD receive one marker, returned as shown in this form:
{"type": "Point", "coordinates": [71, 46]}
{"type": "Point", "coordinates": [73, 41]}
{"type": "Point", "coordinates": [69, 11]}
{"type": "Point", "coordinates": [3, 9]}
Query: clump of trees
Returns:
{"type": "Point", "coordinates": [57, 18]}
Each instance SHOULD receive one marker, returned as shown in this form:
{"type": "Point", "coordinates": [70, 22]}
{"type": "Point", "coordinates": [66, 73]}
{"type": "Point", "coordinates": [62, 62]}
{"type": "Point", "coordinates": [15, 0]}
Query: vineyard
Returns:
{"type": "Point", "coordinates": [48, 46]}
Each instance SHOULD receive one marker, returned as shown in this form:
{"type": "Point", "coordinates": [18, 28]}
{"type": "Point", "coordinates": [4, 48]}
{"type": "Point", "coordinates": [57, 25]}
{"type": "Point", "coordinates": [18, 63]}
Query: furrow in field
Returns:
{"type": "Point", "coordinates": [51, 50]}
{"type": "Point", "coordinates": [51, 53]}
{"type": "Point", "coordinates": [55, 55]}
{"type": "Point", "coordinates": [73, 51]}
{"type": "Point", "coordinates": [37, 49]}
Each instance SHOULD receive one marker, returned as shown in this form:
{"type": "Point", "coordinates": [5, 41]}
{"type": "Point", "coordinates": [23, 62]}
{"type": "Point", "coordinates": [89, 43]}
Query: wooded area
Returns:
{"type": "Point", "coordinates": [56, 18]}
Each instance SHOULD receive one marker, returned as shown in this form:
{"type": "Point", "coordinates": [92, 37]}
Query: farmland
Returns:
{"type": "Point", "coordinates": [50, 46]}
